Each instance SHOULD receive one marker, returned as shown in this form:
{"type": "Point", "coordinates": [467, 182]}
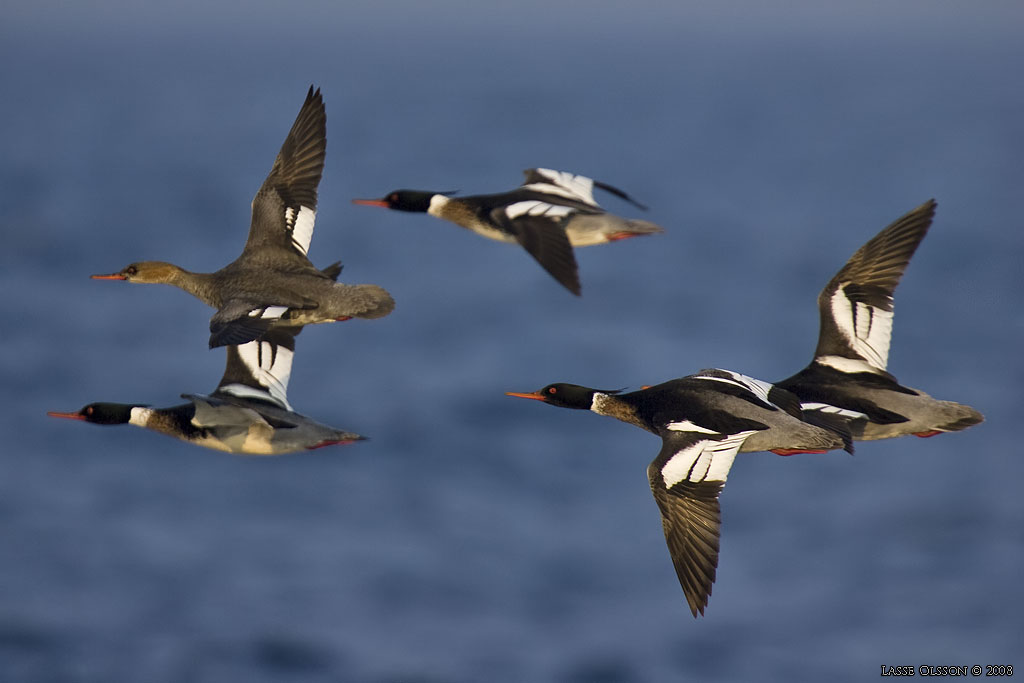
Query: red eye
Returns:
{"type": "Point", "coordinates": [552, 390]}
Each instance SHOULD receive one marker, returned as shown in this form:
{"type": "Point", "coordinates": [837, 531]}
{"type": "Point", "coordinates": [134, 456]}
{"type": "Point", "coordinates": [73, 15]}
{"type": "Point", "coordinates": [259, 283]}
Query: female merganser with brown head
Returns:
{"type": "Point", "coordinates": [703, 420]}
{"type": "Point", "coordinates": [848, 374]}
{"type": "Point", "coordinates": [548, 215]}
{"type": "Point", "coordinates": [272, 283]}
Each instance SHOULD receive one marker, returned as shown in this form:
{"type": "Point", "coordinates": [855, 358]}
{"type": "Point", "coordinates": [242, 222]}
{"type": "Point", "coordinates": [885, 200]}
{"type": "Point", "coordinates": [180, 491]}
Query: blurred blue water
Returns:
{"type": "Point", "coordinates": [476, 537]}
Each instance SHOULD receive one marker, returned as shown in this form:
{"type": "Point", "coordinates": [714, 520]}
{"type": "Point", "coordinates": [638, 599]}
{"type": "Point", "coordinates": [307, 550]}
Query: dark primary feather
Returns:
{"type": "Point", "coordinates": [691, 519]}
{"type": "Point", "coordinates": [832, 422]}
{"type": "Point", "coordinates": [294, 177]}
{"type": "Point", "coordinates": [883, 259]}
{"type": "Point", "coordinates": [873, 272]}
{"type": "Point", "coordinates": [619, 193]}
{"type": "Point", "coordinates": [237, 331]}
{"type": "Point", "coordinates": [332, 271]}
{"type": "Point", "coordinates": [547, 242]}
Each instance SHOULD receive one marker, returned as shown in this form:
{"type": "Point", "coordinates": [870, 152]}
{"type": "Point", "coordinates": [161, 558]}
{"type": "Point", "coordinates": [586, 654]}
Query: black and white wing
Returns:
{"type": "Point", "coordinates": [538, 226]}
{"type": "Point", "coordinates": [260, 369]}
{"type": "Point", "coordinates": [284, 208]}
{"type": "Point", "coordinates": [764, 393]}
{"type": "Point", "coordinates": [686, 479]}
{"type": "Point", "coordinates": [856, 306]}
{"type": "Point", "coordinates": [571, 186]}
{"type": "Point", "coordinates": [538, 212]}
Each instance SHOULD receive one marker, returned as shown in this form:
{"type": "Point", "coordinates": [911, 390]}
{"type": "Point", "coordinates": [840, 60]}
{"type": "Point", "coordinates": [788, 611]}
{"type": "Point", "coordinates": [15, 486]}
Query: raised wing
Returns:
{"type": "Point", "coordinates": [284, 208]}
{"type": "Point", "coordinates": [577, 187]}
{"type": "Point", "coordinates": [560, 183]}
{"type": "Point", "coordinates": [261, 369]}
{"type": "Point", "coordinates": [764, 393]}
{"type": "Point", "coordinates": [856, 306]}
{"type": "Point", "coordinates": [686, 479]}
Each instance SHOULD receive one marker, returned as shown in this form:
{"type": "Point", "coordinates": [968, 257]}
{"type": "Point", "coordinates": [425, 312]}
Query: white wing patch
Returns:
{"type": "Point", "coordinates": [534, 207]}
{"type": "Point", "coordinates": [828, 408]}
{"type": "Point", "coordinates": [867, 329]}
{"type": "Point", "coordinates": [707, 460]}
{"type": "Point", "coordinates": [687, 426]}
{"type": "Point", "coordinates": [270, 312]}
{"type": "Point", "coordinates": [757, 387]}
{"type": "Point", "coordinates": [300, 226]}
{"type": "Point", "coordinates": [245, 391]}
{"type": "Point", "coordinates": [578, 187]}
{"type": "Point", "coordinates": [270, 370]}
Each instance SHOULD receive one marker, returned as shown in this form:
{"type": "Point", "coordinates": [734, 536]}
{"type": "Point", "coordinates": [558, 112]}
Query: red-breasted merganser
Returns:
{"type": "Point", "coordinates": [848, 374]}
{"type": "Point", "coordinates": [248, 413]}
{"type": "Point", "coordinates": [703, 420]}
{"type": "Point", "coordinates": [548, 215]}
{"type": "Point", "coordinates": [272, 283]}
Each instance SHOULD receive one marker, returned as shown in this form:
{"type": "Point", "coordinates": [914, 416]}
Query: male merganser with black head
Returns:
{"type": "Point", "coordinates": [548, 215]}
{"type": "Point", "coordinates": [703, 420]}
{"type": "Point", "coordinates": [248, 413]}
{"type": "Point", "coordinates": [848, 374]}
{"type": "Point", "coordinates": [272, 283]}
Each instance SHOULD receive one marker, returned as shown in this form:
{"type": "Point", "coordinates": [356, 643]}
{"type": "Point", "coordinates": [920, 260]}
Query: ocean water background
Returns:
{"type": "Point", "coordinates": [476, 537]}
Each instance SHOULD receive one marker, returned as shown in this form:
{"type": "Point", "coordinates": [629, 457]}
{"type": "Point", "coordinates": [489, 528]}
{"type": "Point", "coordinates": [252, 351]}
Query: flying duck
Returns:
{"type": "Point", "coordinates": [848, 374]}
{"type": "Point", "coordinates": [548, 215]}
{"type": "Point", "coordinates": [248, 412]}
{"type": "Point", "coordinates": [272, 283]}
{"type": "Point", "coordinates": [703, 420]}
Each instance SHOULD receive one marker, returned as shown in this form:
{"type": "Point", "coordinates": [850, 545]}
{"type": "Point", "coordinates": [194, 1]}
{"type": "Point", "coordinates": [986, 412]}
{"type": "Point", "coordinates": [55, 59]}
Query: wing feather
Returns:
{"type": "Point", "coordinates": [284, 208]}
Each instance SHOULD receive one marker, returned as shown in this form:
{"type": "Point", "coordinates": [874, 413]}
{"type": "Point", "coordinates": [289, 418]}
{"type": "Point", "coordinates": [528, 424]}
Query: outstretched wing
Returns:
{"type": "Point", "coordinates": [856, 306]}
{"type": "Point", "coordinates": [284, 208]}
{"type": "Point", "coordinates": [686, 479]}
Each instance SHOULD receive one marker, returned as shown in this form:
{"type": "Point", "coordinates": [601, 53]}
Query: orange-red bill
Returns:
{"type": "Point", "coordinates": [69, 416]}
{"type": "Point", "coordinates": [536, 395]}
{"type": "Point", "coordinates": [371, 202]}
{"type": "Point", "coordinates": [112, 276]}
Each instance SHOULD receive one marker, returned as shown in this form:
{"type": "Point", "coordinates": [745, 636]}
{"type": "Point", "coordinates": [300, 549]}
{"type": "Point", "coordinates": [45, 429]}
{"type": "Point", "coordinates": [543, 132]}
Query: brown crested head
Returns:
{"type": "Point", "coordinates": [145, 272]}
